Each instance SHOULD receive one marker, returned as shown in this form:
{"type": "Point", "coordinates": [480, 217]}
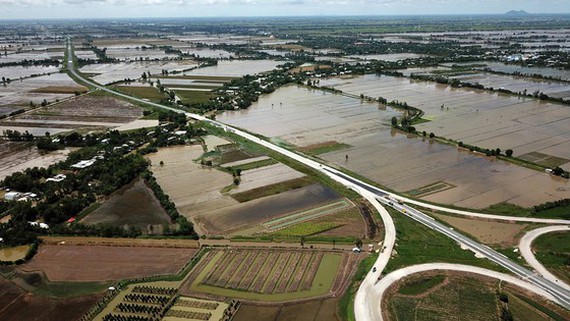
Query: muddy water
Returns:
{"type": "Point", "coordinates": [303, 117]}
{"type": "Point", "coordinates": [13, 253]}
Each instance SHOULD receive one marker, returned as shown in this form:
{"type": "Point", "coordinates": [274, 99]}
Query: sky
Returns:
{"type": "Point", "coordinates": [50, 9]}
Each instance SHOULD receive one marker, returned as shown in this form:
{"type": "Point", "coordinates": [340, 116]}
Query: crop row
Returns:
{"type": "Point", "coordinates": [189, 315]}
{"type": "Point", "coordinates": [247, 280]}
{"type": "Point", "coordinates": [298, 277]}
{"type": "Point", "coordinates": [287, 273]}
{"type": "Point", "coordinates": [277, 271]}
{"type": "Point", "coordinates": [198, 304]}
{"type": "Point", "coordinates": [265, 271]}
{"type": "Point", "coordinates": [245, 266]}
{"type": "Point", "coordinates": [311, 272]}
{"type": "Point", "coordinates": [147, 298]}
{"type": "Point", "coordinates": [138, 308]}
{"type": "Point", "coordinates": [154, 290]}
{"type": "Point", "coordinates": [232, 268]}
{"type": "Point", "coordinates": [220, 267]}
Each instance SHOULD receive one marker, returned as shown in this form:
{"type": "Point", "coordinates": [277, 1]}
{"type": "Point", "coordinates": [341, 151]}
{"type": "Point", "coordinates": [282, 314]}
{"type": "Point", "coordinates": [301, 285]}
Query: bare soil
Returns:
{"type": "Point", "coordinates": [488, 232]}
{"type": "Point", "coordinates": [17, 305]}
{"type": "Point", "coordinates": [316, 310]}
{"type": "Point", "coordinates": [103, 263]}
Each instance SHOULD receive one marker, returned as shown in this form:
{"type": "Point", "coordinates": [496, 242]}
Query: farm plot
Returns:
{"type": "Point", "coordinates": [475, 117]}
{"type": "Point", "coordinates": [197, 192]}
{"type": "Point", "coordinates": [102, 263]}
{"type": "Point", "coordinates": [126, 54]}
{"type": "Point", "coordinates": [236, 68]}
{"type": "Point", "coordinates": [303, 117]}
{"type": "Point", "coordinates": [18, 305]}
{"type": "Point", "coordinates": [269, 275]}
{"type": "Point", "coordinates": [516, 84]}
{"type": "Point", "coordinates": [315, 310]}
{"type": "Point", "coordinates": [265, 176]}
{"type": "Point", "coordinates": [80, 113]}
{"type": "Point", "coordinates": [488, 232]}
{"type": "Point", "coordinates": [107, 73]}
{"type": "Point", "coordinates": [50, 87]}
{"type": "Point", "coordinates": [17, 72]}
{"type": "Point", "coordinates": [133, 205]}
{"type": "Point", "coordinates": [17, 156]}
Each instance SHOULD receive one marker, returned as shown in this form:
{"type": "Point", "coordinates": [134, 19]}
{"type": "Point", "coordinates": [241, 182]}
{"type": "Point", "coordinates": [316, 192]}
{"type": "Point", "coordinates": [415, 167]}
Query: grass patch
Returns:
{"type": "Point", "coordinates": [92, 208]}
{"type": "Point", "coordinates": [60, 90]}
{"type": "Point", "coordinates": [464, 298]}
{"type": "Point", "coordinates": [562, 212]}
{"type": "Point", "coordinates": [272, 189]}
{"type": "Point", "coordinates": [146, 92]}
{"type": "Point", "coordinates": [323, 148]}
{"type": "Point", "coordinates": [430, 189]}
{"type": "Point", "coordinates": [254, 165]}
{"type": "Point", "coordinates": [307, 228]}
{"type": "Point", "coordinates": [194, 97]}
{"type": "Point", "coordinates": [535, 305]}
{"type": "Point", "coordinates": [346, 303]}
{"type": "Point", "coordinates": [553, 251]}
{"type": "Point", "coordinates": [217, 79]}
{"type": "Point", "coordinates": [421, 285]}
{"type": "Point", "coordinates": [507, 209]}
{"type": "Point", "coordinates": [418, 244]}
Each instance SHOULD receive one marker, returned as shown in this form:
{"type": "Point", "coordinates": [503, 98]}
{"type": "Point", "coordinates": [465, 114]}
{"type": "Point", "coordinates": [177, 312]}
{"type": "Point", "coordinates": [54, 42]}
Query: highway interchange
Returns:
{"type": "Point", "coordinates": [367, 301]}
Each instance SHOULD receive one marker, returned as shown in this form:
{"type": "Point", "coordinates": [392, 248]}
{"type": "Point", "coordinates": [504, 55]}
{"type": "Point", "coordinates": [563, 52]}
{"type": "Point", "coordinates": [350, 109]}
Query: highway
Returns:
{"type": "Point", "coordinates": [375, 195]}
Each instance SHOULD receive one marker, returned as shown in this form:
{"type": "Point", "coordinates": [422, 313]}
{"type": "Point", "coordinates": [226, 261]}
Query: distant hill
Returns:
{"type": "Point", "coordinates": [517, 13]}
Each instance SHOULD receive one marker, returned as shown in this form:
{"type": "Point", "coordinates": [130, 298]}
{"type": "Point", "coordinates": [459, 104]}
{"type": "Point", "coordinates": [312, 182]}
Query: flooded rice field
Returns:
{"type": "Point", "coordinates": [236, 68]}
{"type": "Point", "coordinates": [197, 192]}
{"type": "Point", "coordinates": [15, 72]}
{"type": "Point", "coordinates": [84, 113]}
{"type": "Point", "coordinates": [510, 69]}
{"type": "Point", "coordinates": [480, 118]}
{"type": "Point", "coordinates": [17, 156]}
{"type": "Point", "coordinates": [107, 73]}
{"type": "Point", "coordinates": [516, 84]}
{"type": "Point", "coordinates": [304, 117]}
{"type": "Point", "coordinates": [36, 89]}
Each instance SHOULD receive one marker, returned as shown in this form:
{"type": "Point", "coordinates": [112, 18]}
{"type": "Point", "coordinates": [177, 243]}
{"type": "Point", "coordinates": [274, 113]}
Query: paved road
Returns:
{"type": "Point", "coordinates": [372, 193]}
{"type": "Point", "coordinates": [526, 251]}
{"type": "Point", "coordinates": [374, 313]}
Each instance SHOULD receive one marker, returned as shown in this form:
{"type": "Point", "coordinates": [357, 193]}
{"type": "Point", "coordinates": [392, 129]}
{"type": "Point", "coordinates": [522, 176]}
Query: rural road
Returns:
{"type": "Point", "coordinates": [370, 192]}
{"type": "Point", "coordinates": [374, 311]}
{"type": "Point", "coordinates": [525, 247]}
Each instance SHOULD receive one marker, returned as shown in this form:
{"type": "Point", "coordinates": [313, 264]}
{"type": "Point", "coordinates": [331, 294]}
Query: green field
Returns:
{"type": "Point", "coordinates": [418, 244]}
{"type": "Point", "coordinates": [193, 96]}
{"type": "Point", "coordinates": [421, 285]}
{"type": "Point", "coordinates": [146, 92]}
{"type": "Point", "coordinates": [272, 189]}
{"type": "Point", "coordinates": [553, 251]}
{"type": "Point", "coordinates": [460, 299]}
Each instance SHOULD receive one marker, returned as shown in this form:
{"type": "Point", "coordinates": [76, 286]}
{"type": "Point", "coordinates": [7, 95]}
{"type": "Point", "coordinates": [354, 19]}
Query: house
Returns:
{"type": "Point", "coordinates": [57, 178]}
{"type": "Point", "coordinates": [11, 196]}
